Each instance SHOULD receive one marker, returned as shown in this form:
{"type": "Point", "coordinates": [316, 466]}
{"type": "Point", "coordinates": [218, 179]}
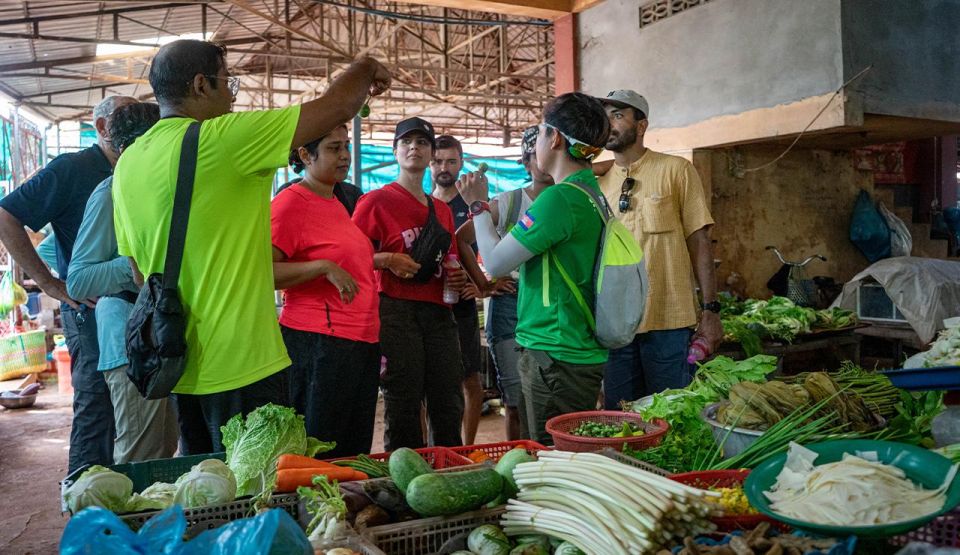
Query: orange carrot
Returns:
{"type": "Point", "coordinates": [291, 478]}
{"type": "Point", "coordinates": [299, 461]}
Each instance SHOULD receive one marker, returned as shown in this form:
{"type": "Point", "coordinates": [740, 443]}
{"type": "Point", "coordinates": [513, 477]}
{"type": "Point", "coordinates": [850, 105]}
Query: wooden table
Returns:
{"type": "Point", "coordinates": [844, 344]}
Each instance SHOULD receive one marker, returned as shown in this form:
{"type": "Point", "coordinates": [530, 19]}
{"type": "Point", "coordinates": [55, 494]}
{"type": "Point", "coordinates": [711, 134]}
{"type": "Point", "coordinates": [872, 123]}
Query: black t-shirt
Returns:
{"type": "Point", "coordinates": [461, 213]}
{"type": "Point", "coordinates": [347, 193]}
{"type": "Point", "coordinates": [57, 195]}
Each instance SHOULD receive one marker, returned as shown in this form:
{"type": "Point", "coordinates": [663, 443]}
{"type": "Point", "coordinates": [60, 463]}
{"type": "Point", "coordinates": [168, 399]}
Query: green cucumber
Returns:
{"type": "Point", "coordinates": [405, 465]}
{"type": "Point", "coordinates": [505, 467]}
{"type": "Point", "coordinates": [451, 493]}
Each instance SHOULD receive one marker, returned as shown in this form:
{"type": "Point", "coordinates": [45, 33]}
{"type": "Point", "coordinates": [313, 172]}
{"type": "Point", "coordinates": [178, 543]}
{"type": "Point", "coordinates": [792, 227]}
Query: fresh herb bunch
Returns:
{"type": "Point", "coordinates": [590, 428]}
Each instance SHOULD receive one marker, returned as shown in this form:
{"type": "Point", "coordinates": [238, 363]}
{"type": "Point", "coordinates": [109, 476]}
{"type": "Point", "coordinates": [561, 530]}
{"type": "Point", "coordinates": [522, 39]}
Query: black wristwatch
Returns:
{"type": "Point", "coordinates": [711, 307]}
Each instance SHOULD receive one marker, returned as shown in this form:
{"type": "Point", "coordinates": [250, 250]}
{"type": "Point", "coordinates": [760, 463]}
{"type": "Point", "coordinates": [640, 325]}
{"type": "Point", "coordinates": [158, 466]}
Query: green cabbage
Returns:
{"type": "Point", "coordinates": [254, 444]}
{"type": "Point", "coordinates": [99, 487]}
{"type": "Point", "coordinates": [210, 482]}
{"type": "Point", "coordinates": [157, 497]}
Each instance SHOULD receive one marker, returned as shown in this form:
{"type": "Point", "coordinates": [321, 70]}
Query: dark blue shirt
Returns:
{"type": "Point", "coordinates": [461, 213]}
{"type": "Point", "coordinates": [57, 195]}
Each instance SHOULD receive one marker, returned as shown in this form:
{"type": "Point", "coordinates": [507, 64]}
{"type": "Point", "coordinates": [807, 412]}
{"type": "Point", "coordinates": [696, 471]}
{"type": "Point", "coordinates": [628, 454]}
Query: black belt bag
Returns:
{"type": "Point", "coordinates": [430, 246]}
{"type": "Point", "coordinates": [157, 328]}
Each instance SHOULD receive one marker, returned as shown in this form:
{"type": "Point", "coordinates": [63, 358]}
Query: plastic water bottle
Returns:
{"type": "Point", "coordinates": [699, 350]}
{"type": "Point", "coordinates": [450, 295]}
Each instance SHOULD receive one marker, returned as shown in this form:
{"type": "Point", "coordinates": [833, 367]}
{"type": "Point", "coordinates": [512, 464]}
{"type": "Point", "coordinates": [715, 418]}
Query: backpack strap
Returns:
{"type": "Point", "coordinates": [575, 291]}
{"type": "Point", "coordinates": [181, 206]}
{"type": "Point", "coordinates": [513, 208]}
{"type": "Point", "coordinates": [597, 199]}
{"type": "Point", "coordinates": [603, 210]}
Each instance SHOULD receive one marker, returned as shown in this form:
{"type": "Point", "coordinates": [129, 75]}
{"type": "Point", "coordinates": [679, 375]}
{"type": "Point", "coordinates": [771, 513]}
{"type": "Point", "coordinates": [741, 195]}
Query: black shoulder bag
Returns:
{"type": "Point", "coordinates": [429, 248]}
{"type": "Point", "coordinates": [157, 328]}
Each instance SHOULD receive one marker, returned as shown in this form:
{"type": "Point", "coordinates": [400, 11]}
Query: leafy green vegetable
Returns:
{"type": "Point", "coordinates": [488, 539]}
{"type": "Point", "coordinates": [254, 445]}
{"type": "Point", "coordinates": [99, 487]}
{"type": "Point", "coordinates": [749, 322]}
{"type": "Point", "coordinates": [210, 482]}
{"type": "Point", "coordinates": [690, 440]}
{"type": "Point", "coordinates": [914, 420]}
{"type": "Point", "coordinates": [156, 497]}
{"type": "Point", "coordinates": [325, 502]}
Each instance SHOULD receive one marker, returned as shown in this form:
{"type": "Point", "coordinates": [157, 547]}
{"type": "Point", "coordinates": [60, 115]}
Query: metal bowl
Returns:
{"type": "Point", "coordinates": [18, 402]}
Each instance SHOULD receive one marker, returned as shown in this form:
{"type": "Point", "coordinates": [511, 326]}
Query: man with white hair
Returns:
{"type": "Point", "coordinates": [57, 194]}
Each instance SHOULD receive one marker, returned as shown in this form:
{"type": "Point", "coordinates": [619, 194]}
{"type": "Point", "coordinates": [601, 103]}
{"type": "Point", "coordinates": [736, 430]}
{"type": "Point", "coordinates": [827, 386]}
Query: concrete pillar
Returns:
{"type": "Point", "coordinates": [566, 60]}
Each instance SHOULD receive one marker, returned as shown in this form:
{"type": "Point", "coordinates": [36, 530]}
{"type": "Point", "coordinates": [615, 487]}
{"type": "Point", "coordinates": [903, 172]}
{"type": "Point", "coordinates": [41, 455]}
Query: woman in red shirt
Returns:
{"type": "Point", "coordinates": [330, 319]}
{"type": "Point", "coordinates": [418, 335]}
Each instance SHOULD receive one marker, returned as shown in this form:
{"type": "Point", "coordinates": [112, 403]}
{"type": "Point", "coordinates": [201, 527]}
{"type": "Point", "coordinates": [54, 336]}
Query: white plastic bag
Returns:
{"type": "Point", "coordinates": [901, 242]}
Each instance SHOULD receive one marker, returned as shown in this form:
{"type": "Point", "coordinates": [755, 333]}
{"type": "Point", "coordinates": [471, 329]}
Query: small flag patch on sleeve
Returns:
{"type": "Point", "coordinates": [527, 221]}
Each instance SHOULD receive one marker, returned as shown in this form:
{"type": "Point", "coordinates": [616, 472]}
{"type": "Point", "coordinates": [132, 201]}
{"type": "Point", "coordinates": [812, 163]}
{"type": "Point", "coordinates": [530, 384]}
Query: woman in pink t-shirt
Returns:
{"type": "Point", "coordinates": [330, 319]}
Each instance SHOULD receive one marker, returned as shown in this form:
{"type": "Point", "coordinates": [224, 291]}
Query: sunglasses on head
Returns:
{"type": "Point", "coordinates": [625, 191]}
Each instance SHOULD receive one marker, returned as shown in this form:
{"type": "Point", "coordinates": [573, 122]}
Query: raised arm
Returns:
{"type": "Point", "coordinates": [341, 101]}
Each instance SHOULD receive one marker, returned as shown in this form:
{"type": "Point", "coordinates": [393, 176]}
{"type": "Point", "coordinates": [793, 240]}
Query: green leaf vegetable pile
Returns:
{"type": "Point", "coordinates": [689, 441]}
{"type": "Point", "coordinates": [254, 444]}
{"type": "Point", "coordinates": [751, 321]}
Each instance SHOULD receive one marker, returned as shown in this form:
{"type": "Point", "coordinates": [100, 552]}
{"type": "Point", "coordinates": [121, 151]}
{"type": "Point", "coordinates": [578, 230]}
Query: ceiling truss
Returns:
{"type": "Point", "coordinates": [474, 74]}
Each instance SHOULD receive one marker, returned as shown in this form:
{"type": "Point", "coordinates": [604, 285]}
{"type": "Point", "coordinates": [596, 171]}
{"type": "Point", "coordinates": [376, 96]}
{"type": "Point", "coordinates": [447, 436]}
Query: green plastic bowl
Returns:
{"type": "Point", "coordinates": [922, 466]}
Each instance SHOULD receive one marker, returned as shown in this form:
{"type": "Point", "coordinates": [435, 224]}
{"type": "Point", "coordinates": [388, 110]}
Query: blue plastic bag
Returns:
{"type": "Point", "coordinates": [95, 530]}
{"type": "Point", "coordinates": [869, 230]}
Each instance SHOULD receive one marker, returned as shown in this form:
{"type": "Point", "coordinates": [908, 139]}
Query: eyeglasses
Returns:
{"type": "Point", "coordinates": [233, 83]}
{"type": "Point", "coordinates": [578, 149]}
{"type": "Point", "coordinates": [625, 190]}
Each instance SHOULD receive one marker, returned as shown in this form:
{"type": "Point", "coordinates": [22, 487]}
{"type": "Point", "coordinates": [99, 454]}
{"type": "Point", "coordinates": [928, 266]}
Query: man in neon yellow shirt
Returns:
{"type": "Point", "coordinates": [235, 354]}
{"type": "Point", "coordinates": [561, 366]}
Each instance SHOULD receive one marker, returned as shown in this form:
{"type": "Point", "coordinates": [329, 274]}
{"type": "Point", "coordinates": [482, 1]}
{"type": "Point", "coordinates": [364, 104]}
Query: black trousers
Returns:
{"type": "Point", "coordinates": [92, 430]}
{"type": "Point", "coordinates": [200, 416]}
{"type": "Point", "coordinates": [422, 348]}
{"type": "Point", "coordinates": [333, 383]}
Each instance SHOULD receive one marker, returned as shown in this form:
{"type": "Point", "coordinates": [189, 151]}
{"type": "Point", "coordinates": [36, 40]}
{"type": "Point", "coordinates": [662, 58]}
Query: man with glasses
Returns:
{"type": "Point", "coordinates": [660, 199]}
{"type": "Point", "coordinates": [57, 194]}
{"type": "Point", "coordinates": [235, 354]}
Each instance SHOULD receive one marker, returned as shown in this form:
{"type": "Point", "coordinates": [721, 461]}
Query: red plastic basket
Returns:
{"type": "Point", "coordinates": [725, 479]}
{"type": "Point", "coordinates": [943, 531]}
{"type": "Point", "coordinates": [560, 427]}
{"type": "Point", "coordinates": [437, 457]}
{"type": "Point", "coordinates": [494, 451]}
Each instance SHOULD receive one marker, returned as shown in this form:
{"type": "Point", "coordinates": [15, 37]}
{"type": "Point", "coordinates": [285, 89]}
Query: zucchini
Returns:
{"type": "Point", "coordinates": [405, 465]}
{"type": "Point", "coordinates": [505, 467]}
{"type": "Point", "coordinates": [451, 493]}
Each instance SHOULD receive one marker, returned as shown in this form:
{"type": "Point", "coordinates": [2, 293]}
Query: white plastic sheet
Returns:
{"type": "Point", "coordinates": [926, 290]}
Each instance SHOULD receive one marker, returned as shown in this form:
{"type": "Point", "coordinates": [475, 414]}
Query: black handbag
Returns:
{"type": "Point", "coordinates": [429, 248]}
{"type": "Point", "coordinates": [157, 328]}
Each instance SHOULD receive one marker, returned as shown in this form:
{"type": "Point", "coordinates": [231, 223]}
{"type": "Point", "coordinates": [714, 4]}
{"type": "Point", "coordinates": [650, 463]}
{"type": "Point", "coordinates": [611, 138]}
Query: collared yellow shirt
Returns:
{"type": "Point", "coordinates": [667, 205]}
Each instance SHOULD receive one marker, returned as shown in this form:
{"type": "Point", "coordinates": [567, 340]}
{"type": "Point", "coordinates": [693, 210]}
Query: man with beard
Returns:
{"type": "Point", "coordinates": [660, 199]}
{"type": "Point", "coordinates": [445, 169]}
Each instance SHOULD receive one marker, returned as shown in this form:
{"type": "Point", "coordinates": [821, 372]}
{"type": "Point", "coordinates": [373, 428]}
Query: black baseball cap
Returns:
{"type": "Point", "coordinates": [411, 125]}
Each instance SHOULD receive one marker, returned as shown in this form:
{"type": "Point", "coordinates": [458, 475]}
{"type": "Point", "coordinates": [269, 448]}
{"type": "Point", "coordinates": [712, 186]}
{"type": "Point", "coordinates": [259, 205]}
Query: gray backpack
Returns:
{"type": "Point", "coordinates": [620, 280]}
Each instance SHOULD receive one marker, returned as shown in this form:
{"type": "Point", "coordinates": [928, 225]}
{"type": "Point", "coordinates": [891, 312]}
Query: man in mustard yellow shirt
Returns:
{"type": "Point", "coordinates": [660, 199]}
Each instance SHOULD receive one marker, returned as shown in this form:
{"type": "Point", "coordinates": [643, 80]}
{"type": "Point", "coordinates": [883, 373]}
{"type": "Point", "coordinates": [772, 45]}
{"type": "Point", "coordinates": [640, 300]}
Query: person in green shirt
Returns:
{"type": "Point", "coordinates": [561, 366]}
{"type": "Point", "coordinates": [236, 358]}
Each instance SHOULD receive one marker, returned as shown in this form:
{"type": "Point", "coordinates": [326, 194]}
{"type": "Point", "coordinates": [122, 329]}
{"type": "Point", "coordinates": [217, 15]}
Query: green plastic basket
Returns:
{"type": "Point", "coordinates": [922, 466]}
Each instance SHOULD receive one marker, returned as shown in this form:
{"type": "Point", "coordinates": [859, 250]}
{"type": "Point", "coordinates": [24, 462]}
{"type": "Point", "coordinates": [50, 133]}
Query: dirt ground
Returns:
{"type": "Point", "coordinates": [33, 459]}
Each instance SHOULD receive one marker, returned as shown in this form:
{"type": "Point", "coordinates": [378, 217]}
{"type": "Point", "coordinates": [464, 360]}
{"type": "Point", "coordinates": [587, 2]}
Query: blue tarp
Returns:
{"type": "Point", "coordinates": [380, 168]}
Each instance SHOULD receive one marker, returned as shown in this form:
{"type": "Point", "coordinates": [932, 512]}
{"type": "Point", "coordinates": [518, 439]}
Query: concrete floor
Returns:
{"type": "Point", "coordinates": [33, 459]}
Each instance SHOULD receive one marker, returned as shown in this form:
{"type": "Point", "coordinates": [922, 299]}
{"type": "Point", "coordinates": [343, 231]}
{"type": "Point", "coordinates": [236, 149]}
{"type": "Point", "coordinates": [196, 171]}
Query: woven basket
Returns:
{"type": "Point", "coordinates": [22, 354]}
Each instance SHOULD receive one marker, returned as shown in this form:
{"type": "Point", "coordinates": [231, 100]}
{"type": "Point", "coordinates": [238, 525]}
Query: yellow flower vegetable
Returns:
{"type": "Point", "coordinates": [734, 501]}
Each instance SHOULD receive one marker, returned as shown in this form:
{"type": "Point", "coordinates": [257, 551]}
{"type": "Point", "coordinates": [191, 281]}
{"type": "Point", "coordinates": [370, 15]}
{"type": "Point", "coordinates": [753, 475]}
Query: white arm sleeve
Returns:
{"type": "Point", "coordinates": [500, 256]}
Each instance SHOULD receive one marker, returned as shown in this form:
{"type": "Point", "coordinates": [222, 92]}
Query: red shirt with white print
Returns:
{"type": "Point", "coordinates": [392, 218]}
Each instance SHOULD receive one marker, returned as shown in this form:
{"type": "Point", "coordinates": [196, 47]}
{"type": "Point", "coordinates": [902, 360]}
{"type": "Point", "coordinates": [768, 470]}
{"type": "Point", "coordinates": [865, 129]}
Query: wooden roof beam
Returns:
{"type": "Point", "coordinates": [543, 9]}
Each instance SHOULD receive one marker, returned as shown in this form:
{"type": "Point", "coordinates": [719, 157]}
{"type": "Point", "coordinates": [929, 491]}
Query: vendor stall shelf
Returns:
{"type": "Point", "coordinates": [426, 536]}
{"type": "Point", "coordinates": [493, 451]}
{"type": "Point", "coordinates": [845, 344]}
{"type": "Point", "coordinates": [145, 473]}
